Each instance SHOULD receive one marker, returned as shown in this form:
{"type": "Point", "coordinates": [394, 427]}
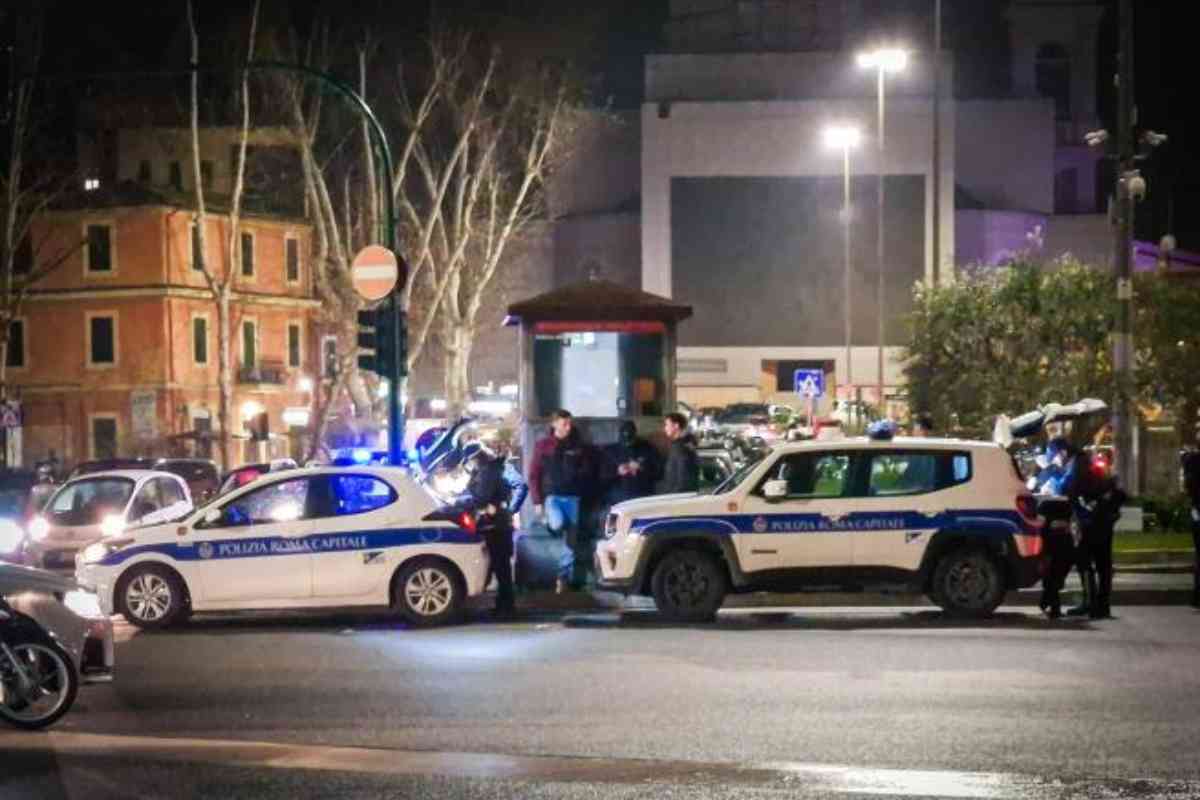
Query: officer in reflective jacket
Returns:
{"type": "Point", "coordinates": [489, 495]}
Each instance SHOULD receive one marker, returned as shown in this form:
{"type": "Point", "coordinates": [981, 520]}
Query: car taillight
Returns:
{"type": "Point", "coordinates": [466, 521]}
{"type": "Point", "coordinates": [1027, 505]}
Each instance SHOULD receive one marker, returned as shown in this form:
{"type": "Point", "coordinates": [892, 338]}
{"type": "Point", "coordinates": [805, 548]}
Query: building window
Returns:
{"type": "Point", "coordinates": [15, 357]}
{"type": "Point", "coordinates": [200, 340]}
{"type": "Point", "coordinates": [1052, 76]}
{"type": "Point", "coordinates": [292, 254]}
{"type": "Point", "coordinates": [202, 427]}
{"type": "Point", "coordinates": [247, 240]}
{"type": "Point", "coordinates": [104, 436]}
{"type": "Point", "coordinates": [176, 179]}
{"type": "Point", "coordinates": [294, 331]}
{"type": "Point", "coordinates": [98, 250]}
{"type": "Point", "coordinates": [145, 175]}
{"type": "Point", "coordinates": [197, 254]}
{"type": "Point", "coordinates": [206, 174]}
{"type": "Point", "coordinates": [249, 343]}
{"type": "Point", "coordinates": [102, 340]}
{"type": "Point", "coordinates": [329, 357]}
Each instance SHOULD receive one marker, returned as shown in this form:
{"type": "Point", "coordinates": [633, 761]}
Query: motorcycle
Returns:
{"type": "Point", "coordinates": [38, 680]}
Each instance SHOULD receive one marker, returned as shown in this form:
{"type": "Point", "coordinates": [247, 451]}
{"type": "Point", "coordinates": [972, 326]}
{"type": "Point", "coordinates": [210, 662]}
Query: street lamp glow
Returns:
{"type": "Point", "coordinates": [886, 59]}
{"type": "Point", "coordinates": [842, 137]}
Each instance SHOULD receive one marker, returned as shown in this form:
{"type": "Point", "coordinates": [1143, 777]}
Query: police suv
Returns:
{"type": "Point", "coordinates": [949, 517]}
{"type": "Point", "coordinates": [305, 538]}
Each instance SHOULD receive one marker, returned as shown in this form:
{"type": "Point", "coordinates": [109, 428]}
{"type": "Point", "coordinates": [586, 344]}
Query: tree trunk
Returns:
{"type": "Point", "coordinates": [224, 377]}
{"type": "Point", "coordinates": [458, 357]}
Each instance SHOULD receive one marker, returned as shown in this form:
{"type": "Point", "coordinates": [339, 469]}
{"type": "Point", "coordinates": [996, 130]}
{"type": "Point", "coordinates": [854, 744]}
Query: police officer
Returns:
{"type": "Point", "coordinates": [1190, 463]}
{"type": "Point", "coordinates": [488, 495]}
{"type": "Point", "coordinates": [1060, 547]}
{"type": "Point", "coordinates": [1096, 503]}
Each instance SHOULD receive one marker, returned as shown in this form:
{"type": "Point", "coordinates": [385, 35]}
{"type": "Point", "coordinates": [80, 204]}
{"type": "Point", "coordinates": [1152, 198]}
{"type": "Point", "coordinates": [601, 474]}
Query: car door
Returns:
{"type": "Point", "coordinates": [803, 528]}
{"type": "Point", "coordinates": [902, 504]}
{"type": "Point", "coordinates": [251, 549]}
{"type": "Point", "coordinates": [353, 536]}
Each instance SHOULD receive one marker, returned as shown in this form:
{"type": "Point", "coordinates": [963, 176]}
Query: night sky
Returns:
{"type": "Point", "coordinates": [610, 38]}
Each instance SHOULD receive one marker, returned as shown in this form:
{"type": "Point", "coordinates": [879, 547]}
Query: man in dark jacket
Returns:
{"type": "Point", "coordinates": [1190, 462]}
{"type": "Point", "coordinates": [1096, 504]}
{"type": "Point", "coordinates": [562, 474]}
{"type": "Point", "coordinates": [631, 466]}
{"type": "Point", "coordinates": [682, 471]}
{"type": "Point", "coordinates": [488, 495]}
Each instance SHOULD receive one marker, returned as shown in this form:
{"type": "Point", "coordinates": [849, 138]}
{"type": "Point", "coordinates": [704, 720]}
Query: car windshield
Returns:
{"type": "Point", "coordinates": [743, 412]}
{"type": "Point", "coordinates": [734, 480]}
{"type": "Point", "coordinates": [88, 501]}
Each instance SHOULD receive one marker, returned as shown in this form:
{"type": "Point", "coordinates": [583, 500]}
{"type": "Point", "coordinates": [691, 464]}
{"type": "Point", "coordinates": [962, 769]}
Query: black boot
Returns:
{"type": "Point", "coordinates": [1087, 577]}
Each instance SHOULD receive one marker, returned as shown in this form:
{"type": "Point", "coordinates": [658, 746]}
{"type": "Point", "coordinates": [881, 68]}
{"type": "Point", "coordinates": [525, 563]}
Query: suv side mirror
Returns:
{"type": "Point", "coordinates": [774, 491]}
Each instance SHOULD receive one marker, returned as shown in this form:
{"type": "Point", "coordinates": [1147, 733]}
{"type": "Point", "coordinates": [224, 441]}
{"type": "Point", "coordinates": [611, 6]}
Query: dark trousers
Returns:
{"type": "Point", "coordinates": [500, 551]}
{"type": "Point", "coordinates": [1196, 570]}
{"type": "Point", "coordinates": [1060, 557]}
{"type": "Point", "coordinates": [1096, 566]}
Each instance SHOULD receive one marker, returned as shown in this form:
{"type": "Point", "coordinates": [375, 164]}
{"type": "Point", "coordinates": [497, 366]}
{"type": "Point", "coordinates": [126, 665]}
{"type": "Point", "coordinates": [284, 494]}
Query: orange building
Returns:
{"type": "Point", "coordinates": [115, 352]}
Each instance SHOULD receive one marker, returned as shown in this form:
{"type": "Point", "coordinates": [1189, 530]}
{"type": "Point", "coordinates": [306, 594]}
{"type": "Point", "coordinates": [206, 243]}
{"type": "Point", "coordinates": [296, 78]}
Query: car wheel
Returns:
{"type": "Point", "coordinates": [688, 586]}
{"type": "Point", "coordinates": [428, 592]}
{"type": "Point", "coordinates": [968, 582]}
{"type": "Point", "coordinates": [151, 597]}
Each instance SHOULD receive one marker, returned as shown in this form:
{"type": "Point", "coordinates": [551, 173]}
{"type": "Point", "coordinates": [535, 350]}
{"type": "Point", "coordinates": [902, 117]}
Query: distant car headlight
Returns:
{"type": "Point", "coordinates": [39, 529]}
{"type": "Point", "coordinates": [11, 535]}
{"type": "Point", "coordinates": [112, 525]}
{"type": "Point", "coordinates": [84, 604]}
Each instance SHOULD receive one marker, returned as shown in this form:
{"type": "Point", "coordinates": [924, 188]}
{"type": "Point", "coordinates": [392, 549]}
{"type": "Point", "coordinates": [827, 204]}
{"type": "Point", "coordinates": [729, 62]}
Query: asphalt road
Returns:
{"type": "Point", "coordinates": [849, 702]}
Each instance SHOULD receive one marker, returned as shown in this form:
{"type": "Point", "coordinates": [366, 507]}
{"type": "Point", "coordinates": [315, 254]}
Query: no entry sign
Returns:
{"type": "Point", "coordinates": [375, 272]}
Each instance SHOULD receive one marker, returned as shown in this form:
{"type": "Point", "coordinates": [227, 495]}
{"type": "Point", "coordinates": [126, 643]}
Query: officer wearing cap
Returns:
{"type": "Point", "coordinates": [488, 495]}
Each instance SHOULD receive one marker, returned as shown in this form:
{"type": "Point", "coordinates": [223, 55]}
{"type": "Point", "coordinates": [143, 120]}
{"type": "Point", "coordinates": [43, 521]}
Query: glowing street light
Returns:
{"type": "Point", "coordinates": [883, 61]}
{"type": "Point", "coordinates": [845, 138]}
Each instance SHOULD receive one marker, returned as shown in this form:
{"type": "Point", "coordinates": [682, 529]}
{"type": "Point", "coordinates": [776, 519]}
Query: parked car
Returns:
{"type": "Point", "coordinates": [312, 538]}
{"type": "Point", "coordinates": [101, 504]}
{"type": "Point", "coordinates": [69, 612]}
{"type": "Point", "coordinates": [200, 474]}
{"type": "Point", "coordinates": [246, 473]}
{"type": "Point", "coordinates": [745, 419]}
{"type": "Point", "coordinates": [108, 465]}
{"type": "Point", "coordinates": [22, 494]}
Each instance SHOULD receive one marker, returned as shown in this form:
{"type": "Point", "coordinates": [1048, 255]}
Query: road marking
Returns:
{"type": "Point", "coordinates": [799, 778]}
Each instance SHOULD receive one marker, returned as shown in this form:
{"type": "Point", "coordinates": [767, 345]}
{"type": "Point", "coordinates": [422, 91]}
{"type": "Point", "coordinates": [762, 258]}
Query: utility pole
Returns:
{"type": "Point", "coordinates": [1123, 419]}
{"type": "Point", "coordinates": [937, 142]}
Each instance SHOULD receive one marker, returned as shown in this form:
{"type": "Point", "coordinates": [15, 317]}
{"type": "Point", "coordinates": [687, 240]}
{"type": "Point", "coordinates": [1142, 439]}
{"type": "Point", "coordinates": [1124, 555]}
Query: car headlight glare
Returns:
{"type": "Point", "coordinates": [39, 528]}
{"type": "Point", "coordinates": [10, 536]}
{"type": "Point", "coordinates": [112, 525]}
{"type": "Point", "coordinates": [95, 553]}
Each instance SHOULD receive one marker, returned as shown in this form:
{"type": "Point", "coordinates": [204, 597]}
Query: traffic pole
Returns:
{"type": "Point", "coordinates": [1123, 420]}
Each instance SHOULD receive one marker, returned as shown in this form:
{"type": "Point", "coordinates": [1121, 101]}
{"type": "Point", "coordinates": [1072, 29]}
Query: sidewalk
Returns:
{"type": "Point", "coordinates": [1133, 585]}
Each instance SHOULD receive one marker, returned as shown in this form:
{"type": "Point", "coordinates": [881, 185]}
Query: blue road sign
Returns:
{"type": "Point", "coordinates": [810, 382]}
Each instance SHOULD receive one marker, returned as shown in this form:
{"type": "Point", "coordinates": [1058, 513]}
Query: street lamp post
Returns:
{"type": "Point", "coordinates": [882, 61]}
{"type": "Point", "coordinates": [845, 138]}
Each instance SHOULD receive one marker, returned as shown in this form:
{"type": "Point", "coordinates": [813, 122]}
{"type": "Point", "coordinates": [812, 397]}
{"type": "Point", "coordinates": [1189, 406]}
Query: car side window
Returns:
{"type": "Point", "coordinates": [813, 475]}
{"type": "Point", "coordinates": [284, 501]}
{"type": "Point", "coordinates": [358, 494]}
{"type": "Point", "coordinates": [902, 473]}
{"type": "Point", "coordinates": [960, 468]}
{"type": "Point", "coordinates": [148, 500]}
{"type": "Point", "coordinates": [170, 492]}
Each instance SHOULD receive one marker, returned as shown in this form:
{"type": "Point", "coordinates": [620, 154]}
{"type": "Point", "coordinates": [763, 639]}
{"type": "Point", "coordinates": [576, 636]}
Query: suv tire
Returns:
{"type": "Point", "coordinates": [968, 582]}
{"type": "Point", "coordinates": [688, 586]}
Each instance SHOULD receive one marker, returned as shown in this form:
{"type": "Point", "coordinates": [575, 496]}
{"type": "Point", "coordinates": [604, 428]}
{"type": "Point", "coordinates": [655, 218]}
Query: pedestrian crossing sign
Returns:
{"type": "Point", "coordinates": [810, 382]}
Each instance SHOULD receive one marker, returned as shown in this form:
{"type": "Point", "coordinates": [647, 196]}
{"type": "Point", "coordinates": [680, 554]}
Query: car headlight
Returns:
{"type": "Point", "coordinates": [11, 536]}
{"type": "Point", "coordinates": [39, 528]}
{"type": "Point", "coordinates": [112, 525]}
{"type": "Point", "coordinates": [94, 553]}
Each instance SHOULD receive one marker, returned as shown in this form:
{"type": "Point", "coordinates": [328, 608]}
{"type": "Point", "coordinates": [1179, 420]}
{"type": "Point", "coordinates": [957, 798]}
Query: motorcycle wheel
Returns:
{"type": "Point", "coordinates": [56, 682]}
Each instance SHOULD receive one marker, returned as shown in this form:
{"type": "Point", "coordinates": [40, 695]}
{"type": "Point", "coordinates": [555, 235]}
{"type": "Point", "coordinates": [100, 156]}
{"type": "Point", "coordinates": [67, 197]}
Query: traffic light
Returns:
{"type": "Point", "coordinates": [383, 341]}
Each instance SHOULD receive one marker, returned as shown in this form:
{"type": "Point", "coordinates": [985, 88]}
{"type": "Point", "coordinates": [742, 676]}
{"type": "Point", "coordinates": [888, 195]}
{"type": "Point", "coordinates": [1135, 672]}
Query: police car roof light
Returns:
{"type": "Point", "coordinates": [883, 430]}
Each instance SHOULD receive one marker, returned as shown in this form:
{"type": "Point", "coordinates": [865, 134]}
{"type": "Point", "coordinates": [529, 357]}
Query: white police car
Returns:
{"type": "Point", "coordinates": [949, 517]}
{"type": "Point", "coordinates": [304, 538]}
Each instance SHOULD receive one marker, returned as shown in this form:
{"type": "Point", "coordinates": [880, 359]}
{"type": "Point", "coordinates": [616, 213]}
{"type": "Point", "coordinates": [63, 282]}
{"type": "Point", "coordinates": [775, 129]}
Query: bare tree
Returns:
{"type": "Point", "coordinates": [220, 282]}
{"type": "Point", "coordinates": [30, 184]}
